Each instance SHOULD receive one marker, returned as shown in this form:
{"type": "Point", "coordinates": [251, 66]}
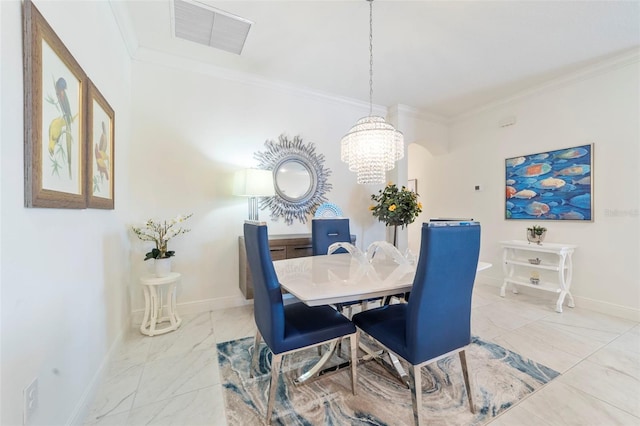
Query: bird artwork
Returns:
{"type": "Point", "coordinates": [57, 128]}
{"type": "Point", "coordinates": [65, 109]}
{"type": "Point", "coordinates": [101, 154]}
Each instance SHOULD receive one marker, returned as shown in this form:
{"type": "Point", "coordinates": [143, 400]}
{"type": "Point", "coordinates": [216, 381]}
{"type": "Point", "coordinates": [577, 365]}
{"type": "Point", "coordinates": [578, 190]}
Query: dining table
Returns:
{"type": "Point", "coordinates": [341, 278]}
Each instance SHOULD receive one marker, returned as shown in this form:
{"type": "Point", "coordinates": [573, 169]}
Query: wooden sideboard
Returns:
{"type": "Point", "coordinates": [286, 246]}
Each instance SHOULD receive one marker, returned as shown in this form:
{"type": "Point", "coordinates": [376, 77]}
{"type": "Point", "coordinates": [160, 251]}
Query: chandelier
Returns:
{"type": "Point", "coordinates": [372, 146]}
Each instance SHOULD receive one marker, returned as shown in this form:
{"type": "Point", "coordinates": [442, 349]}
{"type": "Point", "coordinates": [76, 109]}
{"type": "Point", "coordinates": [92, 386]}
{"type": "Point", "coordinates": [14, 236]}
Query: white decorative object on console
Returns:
{"type": "Point", "coordinates": [517, 258]}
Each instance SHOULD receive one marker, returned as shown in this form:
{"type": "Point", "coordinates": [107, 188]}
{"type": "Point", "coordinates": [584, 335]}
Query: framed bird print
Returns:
{"type": "Point", "coordinates": [54, 86]}
{"type": "Point", "coordinates": [100, 143]}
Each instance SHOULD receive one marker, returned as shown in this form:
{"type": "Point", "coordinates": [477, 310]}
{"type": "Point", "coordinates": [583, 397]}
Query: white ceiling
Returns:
{"type": "Point", "coordinates": [442, 57]}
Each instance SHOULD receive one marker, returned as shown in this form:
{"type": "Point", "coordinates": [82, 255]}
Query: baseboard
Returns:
{"type": "Point", "coordinates": [608, 308]}
{"type": "Point", "coordinates": [198, 307]}
{"type": "Point", "coordinates": [599, 306]}
{"type": "Point", "coordinates": [80, 413]}
{"type": "Point", "coordinates": [212, 304]}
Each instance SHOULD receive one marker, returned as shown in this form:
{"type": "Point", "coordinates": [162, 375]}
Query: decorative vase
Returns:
{"type": "Point", "coordinates": [162, 267]}
{"type": "Point", "coordinates": [532, 237]}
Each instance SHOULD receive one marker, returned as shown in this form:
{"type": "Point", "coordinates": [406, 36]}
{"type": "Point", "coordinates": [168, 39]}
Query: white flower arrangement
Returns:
{"type": "Point", "coordinates": [160, 232]}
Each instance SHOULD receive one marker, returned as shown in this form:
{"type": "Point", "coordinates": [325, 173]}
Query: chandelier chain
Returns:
{"type": "Point", "coordinates": [370, 57]}
{"type": "Point", "coordinates": [372, 146]}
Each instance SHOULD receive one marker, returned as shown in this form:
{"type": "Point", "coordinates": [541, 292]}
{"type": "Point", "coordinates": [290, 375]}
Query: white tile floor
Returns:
{"type": "Point", "coordinates": [173, 379]}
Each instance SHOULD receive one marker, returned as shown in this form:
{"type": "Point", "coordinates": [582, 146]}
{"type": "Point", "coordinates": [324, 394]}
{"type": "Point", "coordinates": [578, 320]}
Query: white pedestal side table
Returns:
{"type": "Point", "coordinates": [155, 289]}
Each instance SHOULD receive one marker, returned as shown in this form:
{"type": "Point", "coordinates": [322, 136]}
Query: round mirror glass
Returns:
{"type": "Point", "coordinates": [293, 180]}
{"type": "Point", "coordinates": [299, 178]}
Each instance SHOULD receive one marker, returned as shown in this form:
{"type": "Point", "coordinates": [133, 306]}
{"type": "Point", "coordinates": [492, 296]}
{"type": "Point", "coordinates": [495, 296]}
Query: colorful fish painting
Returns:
{"type": "Point", "coordinates": [535, 169]}
{"type": "Point", "coordinates": [552, 185]}
{"type": "Point", "coordinates": [575, 170]}
{"type": "Point", "coordinates": [572, 153]}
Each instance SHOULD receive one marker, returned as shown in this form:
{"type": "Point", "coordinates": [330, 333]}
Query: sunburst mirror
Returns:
{"type": "Point", "coordinates": [299, 177]}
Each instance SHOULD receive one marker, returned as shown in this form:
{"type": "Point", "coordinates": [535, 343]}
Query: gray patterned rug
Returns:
{"type": "Point", "coordinates": [500, 378]}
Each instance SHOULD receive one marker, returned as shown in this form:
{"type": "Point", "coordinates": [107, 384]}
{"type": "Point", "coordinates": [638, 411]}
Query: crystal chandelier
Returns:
{"type": "Point", "coordinates": [372, 146]}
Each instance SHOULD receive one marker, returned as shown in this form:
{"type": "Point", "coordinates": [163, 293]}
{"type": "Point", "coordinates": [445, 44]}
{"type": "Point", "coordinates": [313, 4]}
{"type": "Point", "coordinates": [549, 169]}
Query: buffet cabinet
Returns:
{"type": "Point", "coordinates": [286, 246]}
{"type": "Point", "coordinates": [545, 266]}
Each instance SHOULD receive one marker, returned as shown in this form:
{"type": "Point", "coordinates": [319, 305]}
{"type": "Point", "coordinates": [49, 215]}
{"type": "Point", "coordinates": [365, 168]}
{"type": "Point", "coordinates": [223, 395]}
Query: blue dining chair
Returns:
{"type": "Point", "coordinates": [435, 322]}
{"type": "Point", "coordinates": [325, 232]}
{"type": "Point", "coordinates": [290, 328]}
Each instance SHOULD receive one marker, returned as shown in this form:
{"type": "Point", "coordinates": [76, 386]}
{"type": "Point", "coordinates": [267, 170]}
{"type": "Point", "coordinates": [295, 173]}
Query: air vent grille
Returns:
{"type": "Point", "coordinates": [205, 25]}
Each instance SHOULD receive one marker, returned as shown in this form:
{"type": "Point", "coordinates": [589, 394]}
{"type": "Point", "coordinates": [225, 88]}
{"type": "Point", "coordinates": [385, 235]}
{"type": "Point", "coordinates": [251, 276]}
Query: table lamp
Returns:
{"type": "Point", "coordinates": [253, 183]}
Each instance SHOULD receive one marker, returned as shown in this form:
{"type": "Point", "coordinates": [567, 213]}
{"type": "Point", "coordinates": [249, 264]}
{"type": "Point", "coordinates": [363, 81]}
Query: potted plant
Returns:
{"type": "Point", "coordinates": [396, 207]}
{"type": "Point", "coordinates": [160, 232]}
{"type": "Point", "coordinates": [536, 234]}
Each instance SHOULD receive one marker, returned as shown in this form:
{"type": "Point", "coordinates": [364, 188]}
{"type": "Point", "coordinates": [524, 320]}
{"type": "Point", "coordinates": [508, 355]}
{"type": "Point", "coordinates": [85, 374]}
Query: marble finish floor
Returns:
{"type": "Point", "coordinates": [173, 379]}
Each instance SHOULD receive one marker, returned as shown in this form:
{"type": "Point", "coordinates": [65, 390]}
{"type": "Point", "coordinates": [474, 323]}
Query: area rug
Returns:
{"type": "Point", "coordinates": [500, 378]}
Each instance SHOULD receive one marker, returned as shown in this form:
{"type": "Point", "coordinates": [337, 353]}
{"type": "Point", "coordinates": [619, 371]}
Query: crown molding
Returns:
{"type": "Point", "coordinates": [123, 20]}
{"type": "Point", "coordinates": [159, 58]}
{"type": "Point", "coordinates": [624, 59]}
{"type": "Point", "coordinates": [409, 111]}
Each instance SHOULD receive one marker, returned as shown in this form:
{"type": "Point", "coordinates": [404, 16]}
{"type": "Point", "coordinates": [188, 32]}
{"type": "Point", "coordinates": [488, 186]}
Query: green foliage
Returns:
{"type": "Point", "coordinates": [537, 230]}
{"type": "Point", "coordinates": [396, 207]}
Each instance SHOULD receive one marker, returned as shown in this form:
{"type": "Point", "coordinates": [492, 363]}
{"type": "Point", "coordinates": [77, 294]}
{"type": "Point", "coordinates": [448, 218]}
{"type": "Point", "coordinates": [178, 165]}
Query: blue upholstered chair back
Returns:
{"type": "Point", "coordinates": [325, 232]}
{"type": "Point", "coordinates": [267, 305]}
{"type": "Point", "coordinates": [439, 310]}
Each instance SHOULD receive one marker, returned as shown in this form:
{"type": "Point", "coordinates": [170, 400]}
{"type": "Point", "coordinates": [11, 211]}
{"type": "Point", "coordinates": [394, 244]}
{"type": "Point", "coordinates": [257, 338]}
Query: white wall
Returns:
{"type": "Point", "coordinates": [193, 127]}
{"type": "Point", "coordinates": [64, 272]}
{"type": "Point", "coordinates": [600, 107]}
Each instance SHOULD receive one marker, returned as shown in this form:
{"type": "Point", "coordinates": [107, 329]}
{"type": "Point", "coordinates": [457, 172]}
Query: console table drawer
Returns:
{"type": "Point", "coordinates": [298, 251]}
{"type": "Point", "coordinates": [278, 252]}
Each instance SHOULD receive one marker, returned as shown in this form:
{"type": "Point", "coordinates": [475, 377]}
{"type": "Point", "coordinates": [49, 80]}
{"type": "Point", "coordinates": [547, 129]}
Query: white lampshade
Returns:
{"type": "Point", "coordinates": [253, 183]}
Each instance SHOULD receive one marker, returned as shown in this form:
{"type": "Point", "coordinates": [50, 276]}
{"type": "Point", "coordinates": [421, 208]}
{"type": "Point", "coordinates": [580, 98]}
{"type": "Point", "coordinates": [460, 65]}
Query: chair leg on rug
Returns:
{"type": "Point", "coordinates": [275, 371]}
{"type": "Point", "coordinates": [467, 382]}
{"type": "Point", "coordinates": [416, 393]}
{"type": "Point", "coordinates": [354, 361]}
{"type": "Point", "coordinates": [256, 351]}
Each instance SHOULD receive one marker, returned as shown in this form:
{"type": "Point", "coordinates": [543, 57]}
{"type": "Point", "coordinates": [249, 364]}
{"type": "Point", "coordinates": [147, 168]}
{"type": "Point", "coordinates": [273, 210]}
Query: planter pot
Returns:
{"type": "Point", "coordinates": [533, 238]}
{"type": "Point", "coordinates": [162, 267]}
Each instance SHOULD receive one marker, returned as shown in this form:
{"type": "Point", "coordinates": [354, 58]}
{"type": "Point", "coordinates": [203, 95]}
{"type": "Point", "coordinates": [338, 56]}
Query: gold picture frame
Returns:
{"type": "Point", "coordinates": [54, 118]}
{"type": "Point", "coordinates": [100, 152]}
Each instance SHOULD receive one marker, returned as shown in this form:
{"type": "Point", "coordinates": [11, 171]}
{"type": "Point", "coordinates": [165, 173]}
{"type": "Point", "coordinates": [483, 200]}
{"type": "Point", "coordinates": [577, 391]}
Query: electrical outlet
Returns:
{"type": "Point", "coordinates": [30, 401]}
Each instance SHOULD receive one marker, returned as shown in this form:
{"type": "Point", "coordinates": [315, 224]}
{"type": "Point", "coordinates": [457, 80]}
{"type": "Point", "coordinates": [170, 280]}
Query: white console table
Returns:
{"type": "Point", "coordinates": [555, 258]}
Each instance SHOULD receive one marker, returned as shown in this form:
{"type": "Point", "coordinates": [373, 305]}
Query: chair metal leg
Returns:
{"type": "Point", "coordinates": [256, 351]}
{"type": "Point", "coordinates": [416, 394]}
{"type": "Point", "coordinates": [467, 381]}
{"type": "Point", "coordinates": [354, 340]}
{"type": "Point", "coordinates": [318, 366]}
{"type": "Point", "coordinates": [275, 371]}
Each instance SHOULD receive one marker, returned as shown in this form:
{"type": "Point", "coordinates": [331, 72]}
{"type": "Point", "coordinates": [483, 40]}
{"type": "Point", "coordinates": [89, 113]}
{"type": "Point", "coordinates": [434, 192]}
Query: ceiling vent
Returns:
{"type": "Point", "coordinates": [206, 25]}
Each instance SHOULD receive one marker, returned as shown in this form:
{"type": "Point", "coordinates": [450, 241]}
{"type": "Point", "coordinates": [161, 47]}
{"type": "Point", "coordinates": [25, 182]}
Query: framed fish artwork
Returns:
{"type": "Point", "coordinates": [54, 118]}
{"type": "Point", "coordinates": [553, 185]}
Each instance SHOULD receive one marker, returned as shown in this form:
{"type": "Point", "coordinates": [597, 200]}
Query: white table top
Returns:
{"type": "Point", "coordinates": [338, 278]}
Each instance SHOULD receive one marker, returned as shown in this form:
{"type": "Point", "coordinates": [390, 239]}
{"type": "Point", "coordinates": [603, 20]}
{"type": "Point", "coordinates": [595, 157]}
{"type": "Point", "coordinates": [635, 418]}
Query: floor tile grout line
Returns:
{"type": "Point", "coordinates": [582, 391]}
